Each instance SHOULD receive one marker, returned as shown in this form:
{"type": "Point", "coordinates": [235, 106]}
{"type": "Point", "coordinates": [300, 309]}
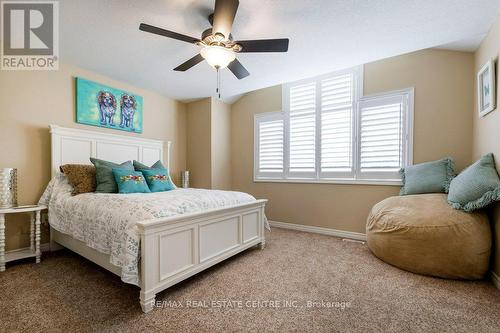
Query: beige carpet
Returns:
{"type": "Point", "coordinates": [68, 293]}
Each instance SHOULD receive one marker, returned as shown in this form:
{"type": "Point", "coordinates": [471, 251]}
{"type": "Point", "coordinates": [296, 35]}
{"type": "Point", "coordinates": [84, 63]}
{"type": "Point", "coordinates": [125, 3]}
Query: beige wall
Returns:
{"type": "Point", "coordinates": [209, 142]}
{"type": "Point", "coordinates": [221, 145]}
{"type": "Point", "coordinates": [443, 99]}
{"type": "Point", "coordinates": [199, 143]}
{"type": "Point", "coordinates": [31, 100]}
{"type": "Point", "coordinates": [487, 129]}
{"type": "Point", "coordinates": [443, 103]}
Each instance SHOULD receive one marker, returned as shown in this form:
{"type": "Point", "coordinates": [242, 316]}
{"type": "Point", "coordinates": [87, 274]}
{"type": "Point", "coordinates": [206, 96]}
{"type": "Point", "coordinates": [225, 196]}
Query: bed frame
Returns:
{"type": "Point", "coordinates": [173, 248]}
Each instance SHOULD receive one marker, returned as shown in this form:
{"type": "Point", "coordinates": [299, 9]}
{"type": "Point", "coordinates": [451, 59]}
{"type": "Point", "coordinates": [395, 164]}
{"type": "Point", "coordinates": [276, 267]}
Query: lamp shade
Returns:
{"type": "Point", "coordinates": [217, 56]}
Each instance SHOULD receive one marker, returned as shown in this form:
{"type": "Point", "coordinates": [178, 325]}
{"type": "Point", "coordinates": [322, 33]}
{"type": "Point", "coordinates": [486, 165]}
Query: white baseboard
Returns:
{"type": "Point", "coordinates": [319, 230]}
{"type": "Point", "coordinates": [496, 280]}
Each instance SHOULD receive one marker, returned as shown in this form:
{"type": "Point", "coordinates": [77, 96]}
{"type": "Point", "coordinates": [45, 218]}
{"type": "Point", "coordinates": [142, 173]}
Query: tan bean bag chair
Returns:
{"type": "Point", "coordinates": [424, 234]}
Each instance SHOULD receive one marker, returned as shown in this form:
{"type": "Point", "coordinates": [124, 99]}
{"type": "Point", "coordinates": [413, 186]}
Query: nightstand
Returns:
{"type": "Point", "coordinates": [34, 249]}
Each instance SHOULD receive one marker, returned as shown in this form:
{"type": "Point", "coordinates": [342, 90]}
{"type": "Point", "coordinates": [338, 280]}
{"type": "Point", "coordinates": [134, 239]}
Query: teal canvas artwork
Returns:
{"type": "Point", "coordinates": [103, 106]}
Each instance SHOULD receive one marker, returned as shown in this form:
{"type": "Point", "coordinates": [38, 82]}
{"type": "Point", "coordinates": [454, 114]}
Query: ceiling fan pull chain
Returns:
{"type": "Point", "coordinates": [218, 82]}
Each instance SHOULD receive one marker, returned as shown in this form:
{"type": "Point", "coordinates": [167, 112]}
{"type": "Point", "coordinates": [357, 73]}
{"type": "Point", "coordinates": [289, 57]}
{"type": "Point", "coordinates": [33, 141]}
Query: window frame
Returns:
{"type": "Point", "coordinates": [354, 177]}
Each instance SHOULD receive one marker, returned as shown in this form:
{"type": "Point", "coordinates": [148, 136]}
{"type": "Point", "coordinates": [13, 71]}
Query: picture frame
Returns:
{"type": "Point", "coordinates": [103, 106]}
{"type": "Point", "coordinates": [486, 88]}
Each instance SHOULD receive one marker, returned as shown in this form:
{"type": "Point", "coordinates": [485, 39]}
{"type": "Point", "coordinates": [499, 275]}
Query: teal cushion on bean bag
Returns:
{"type": "Point", "coordinates": [104, 174]}
{"type": "Point", "coordinates": [130, 181]}
{"type": "Point", "coordinates": [428, 177]}
{"type": "Point", "coordinates": [158, 180]}
{"type": "Point", "coordinates": [475, 187]}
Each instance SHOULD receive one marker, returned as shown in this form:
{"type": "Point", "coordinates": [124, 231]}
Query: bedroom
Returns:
{"type": "Point", "coordinates": [289, 143]}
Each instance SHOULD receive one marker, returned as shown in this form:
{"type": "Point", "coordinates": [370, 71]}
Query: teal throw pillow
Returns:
{"type": "Point", "coordinates": [130, 181]}
{"type": "Point", "coordinates": [475, 187]}
{"type": "Point", "coordinates": [428, 177]}
{"type": "Point", "coordinates": [104, 174]}
{"type": "Point", "coordinates": [158, 165]}
{"type": "Point", "coordinates": [158, 180]}
{"type": "Point", "coordinates": [138, 166]}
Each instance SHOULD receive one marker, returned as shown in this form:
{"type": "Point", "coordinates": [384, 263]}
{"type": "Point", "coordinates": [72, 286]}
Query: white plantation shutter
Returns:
{"type": "Point", "coordinates": [329, 132]}
{"type": "Point", "coordinates": [337, 105]}
{"type": "Point", "coordinates": [383, 136]}
{"type": "Point", "coordinates": [302, 130]}
{"type": "Point", "coordinates": [269, 156]}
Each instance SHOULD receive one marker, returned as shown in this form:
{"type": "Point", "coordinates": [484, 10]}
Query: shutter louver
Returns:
{"type": "Point", "coordinates": [302, 129]}
{"type": "Point", "coordinates": [271, 147]}
{"type": "Point", "coordinates": [337, 98]}
{"type": "Point", "coordinates": [381, 141]}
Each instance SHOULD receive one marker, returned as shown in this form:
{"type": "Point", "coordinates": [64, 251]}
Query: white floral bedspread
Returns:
{"type": "Point", "coordinates": [106, 222]}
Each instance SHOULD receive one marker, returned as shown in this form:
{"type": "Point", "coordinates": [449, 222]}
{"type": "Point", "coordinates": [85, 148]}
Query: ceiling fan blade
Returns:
{"type": "Point", "coordinates": [237, 69]}
{"type": "Point", "coordinates": [190, 63]}
{"type": "Point", "coordinates": [225, 11]}
{"type": "Point", "coordinates": [167, 33]}
{"type": "Point", "coordinates": [264, 45]}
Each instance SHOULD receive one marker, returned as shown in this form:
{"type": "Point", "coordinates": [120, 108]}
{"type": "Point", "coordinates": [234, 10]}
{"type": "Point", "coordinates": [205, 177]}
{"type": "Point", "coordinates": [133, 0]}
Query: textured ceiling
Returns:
{"type": "Point", "coordinates": [469, 44]}
{"type": "Point", "coordinates": [325, 35]}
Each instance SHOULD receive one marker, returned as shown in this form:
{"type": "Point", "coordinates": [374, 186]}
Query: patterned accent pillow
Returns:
{"type": "Point", "coordinates": [428, 177]}
{"type": "Point", "coordinates": [104, 174]}
{"type": "Point", "coordinates": [130, 181]}
{"type": "Point", "coordinates": [82, 177]}
{"type": "Point", "coordinates": [138, 166]}
{"type": "Point", "coordinates": [475, 187]}
{"type": "Point", "coordinates": [158, 180]}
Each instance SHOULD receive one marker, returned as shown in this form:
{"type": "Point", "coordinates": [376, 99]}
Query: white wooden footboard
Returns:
{"type": "Point", "coordinates": [173, 249]}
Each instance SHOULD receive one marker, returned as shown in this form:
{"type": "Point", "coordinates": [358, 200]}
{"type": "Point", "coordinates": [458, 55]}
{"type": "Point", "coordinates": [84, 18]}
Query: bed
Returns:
{"type": "Point", "coordinates": [151, 240]}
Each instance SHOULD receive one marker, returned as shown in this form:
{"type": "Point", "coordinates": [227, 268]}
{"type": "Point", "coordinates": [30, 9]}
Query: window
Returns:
{"type": "Point", "coordinates": [327, 132]}
{"type": "Point", "coordinates": [384, 135]}
{"type": "Point", "coordinates": [269, 157]}
{"type": "Point", "coordinates": [336, 125]}
{"type": "Point", "coordinates": [301, 125]}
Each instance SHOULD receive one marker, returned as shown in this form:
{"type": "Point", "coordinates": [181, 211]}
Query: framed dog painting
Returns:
{"type": "Point", "coordinates": [103, 106]}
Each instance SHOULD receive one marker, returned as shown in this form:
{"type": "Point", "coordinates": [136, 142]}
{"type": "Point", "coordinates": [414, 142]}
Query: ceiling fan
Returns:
{"type": "Point", "coordinates": [217, 45]}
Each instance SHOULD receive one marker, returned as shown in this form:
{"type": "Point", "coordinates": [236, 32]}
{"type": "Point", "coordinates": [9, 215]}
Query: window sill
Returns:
{"type": "Point", "coordinates": [386, 182]}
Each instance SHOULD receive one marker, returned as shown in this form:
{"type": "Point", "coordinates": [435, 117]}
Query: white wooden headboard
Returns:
{"type": "Point", "coordinates": [76, 146]}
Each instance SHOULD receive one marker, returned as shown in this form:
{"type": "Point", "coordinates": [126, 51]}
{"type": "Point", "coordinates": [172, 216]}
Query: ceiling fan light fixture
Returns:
{"type": "Point", "coordinates": [218, 56]}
